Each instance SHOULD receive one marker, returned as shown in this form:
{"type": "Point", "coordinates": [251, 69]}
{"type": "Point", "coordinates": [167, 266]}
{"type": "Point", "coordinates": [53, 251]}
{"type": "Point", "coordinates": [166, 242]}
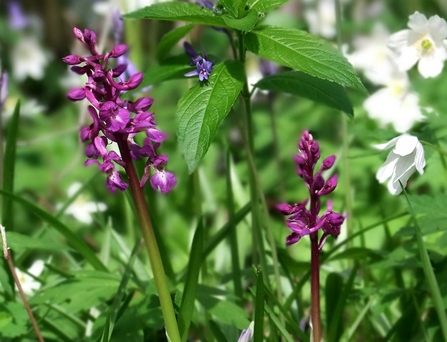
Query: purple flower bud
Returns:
{"type": "Point", "coordinates": [292, 238]}
{"type": "Point", "coordinates": [155, 135]}
{"type": "Point", "coordinates": [118, 70]}
{"type": "Point", "coordinates": [72, 59]}
{"type": "Point", "coordinates": [78, 34]}
{"type": "Point", "coordinates": [142, 104]}
{"type": "Point", "coordinates": [328, 163]}
{"type": "Point", "coordinates": [76, 94]}
{"type": "Point", "coordinates": [118, 51]}
{"type": "Point", "coordinates": [318, 182]}
{"type": "Point", "coordinates": [329, 186]}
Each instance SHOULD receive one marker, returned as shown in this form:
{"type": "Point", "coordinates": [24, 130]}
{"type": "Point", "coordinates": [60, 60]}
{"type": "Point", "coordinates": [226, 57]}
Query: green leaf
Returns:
{"type": "Point", "coordinates": [298, 83]}
{"type": "Point", "coordinates": [225, 311]}
{"type": "Point", "coordinates": [9, 163]}
{"type": "Point", "coordinates": [265, 5]}
{"type": "Point", "coordinates": [300, 50]}
{"type": "Point", "coordinates": [170, 39]}
{"type": "Point", "coordinates": [77, 243]}
{"type": "Point", "coordinates": [19, 242]}
{"type": "Point", "coordinates": [258, 334]}
{"type": "Point", "coordinates": [430, 211]}
{"type": "Point", "coordinates": [179, 11]}
{"type": "Point", "coordinates": [333, 289]}
{"type": "Point", "coordinates": [192, 278]}
{"type": "Point", "coordinates": [246, 23]}
{"type": "Point", "coordinates": [204, 106]}
{"type": "Point", "coordinates": [113, 314]}
{"type": "Point", "coordinates": [13, 320]}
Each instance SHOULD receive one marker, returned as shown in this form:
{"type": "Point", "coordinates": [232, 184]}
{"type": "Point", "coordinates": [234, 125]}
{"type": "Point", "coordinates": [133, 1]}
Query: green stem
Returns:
{"type": "Point", "coordinates": [151, 244]}
{"type": "Point", "coordinates": [315, 315]}
{"type": "Point", "coordinates": [429, 274]}
{"type": "Point", "coordinates": [433, 147]}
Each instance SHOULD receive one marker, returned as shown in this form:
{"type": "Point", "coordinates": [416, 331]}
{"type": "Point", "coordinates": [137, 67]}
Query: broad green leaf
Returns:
{"type": "Point", "coordinates": [72, 239]}
{"type": "Point", "coordinates": [300, 50]}
{"type": "Point", "coordinates": [179, 11]}
{"type": "Point", "coordinates": [233, 6]}
{"type": "Point", "coordinates": [204, 106]}
{"type": "Point", "coordinates": [9, 162]}
{"type": "Point", "coordinates": [246, 23]}
{"type": "Point", "coordinates": [225, 311]}
{"type": "Point", "coordinates": [430, 211]}
{"type": "Point", "coordinates": [192, 278]}
{"type": "Point", "coordinates": [13, 320]}
{"type": "Point", "coordinates": [265, 5]}
{"type": "Point", "coordinates": [298, 83]}
{"type": "Point", "coordinates": [170, 39]}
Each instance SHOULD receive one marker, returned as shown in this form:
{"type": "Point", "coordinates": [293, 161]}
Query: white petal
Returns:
{"type": "Point", "coordinates": [393, 189]}
{"type": "Point", "coordinates": [73, 189]}
{"type": "Point", "coordinates": [387, 145]}
{"type": "Point", "coordinates": [399, 39]}
{"type": "Point", "coordinates": [419, 159]}
{"type": "Point", "coordinates": [403, 179]}
{"type": "Point", "coordinates": [404, 168]}
{"type": "Point", "coordinates": [437, 28]}
{"type": "Point", "coordinates": [405, 145]}
{"type": "Point", "coordinates": [418, 22]}
{"type": "Point", "coordinates": [387, 169]}
{"type": "Point", "coordinates": [430, 67]}
{"type": "Point", "coordinates": [36, 268]}
{"type": "Point", "coordinates": [408, 58]}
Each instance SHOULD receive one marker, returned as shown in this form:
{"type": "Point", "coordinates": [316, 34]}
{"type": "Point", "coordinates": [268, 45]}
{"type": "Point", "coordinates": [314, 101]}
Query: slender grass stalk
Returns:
{"type": "Point", "coordinates": [141, 208]}
{"type": "Point", "coordinates": [428, 270]}
{"type": "Point", "coordinates": [7, 256]}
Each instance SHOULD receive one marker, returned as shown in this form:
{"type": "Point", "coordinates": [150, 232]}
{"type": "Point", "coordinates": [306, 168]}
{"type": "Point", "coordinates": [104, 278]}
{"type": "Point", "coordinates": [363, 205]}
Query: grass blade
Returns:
{"type": "Point", "coordinates": [192, 278]}
{"type": "Point", "coordinates": [259, 308]}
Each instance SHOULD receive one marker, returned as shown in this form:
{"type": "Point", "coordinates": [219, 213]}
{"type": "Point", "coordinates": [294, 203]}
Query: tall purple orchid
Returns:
{"type": "Point", "coordinates": [117, 120]}
{"type": "Point", "coordinates": [303, 221]}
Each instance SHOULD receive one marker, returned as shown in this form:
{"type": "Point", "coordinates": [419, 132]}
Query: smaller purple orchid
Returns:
{"type": "Point", "coordinates": [303, 221]}
{"type": "Point", "coordinates": [203, 66]}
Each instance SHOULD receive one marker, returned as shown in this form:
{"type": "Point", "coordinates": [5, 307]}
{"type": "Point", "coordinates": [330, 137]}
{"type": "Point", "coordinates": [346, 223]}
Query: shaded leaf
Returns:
{"type": "Point", "coordinates": [300, 50]}
{"type": "Point", "coordinates": [265, 5]}
{"type": "Point", "coordinates": [170, 39]}
{"type": "Point", "coordinates": [204, 106]}
{"type": "Point", "coordinates": [179, 11]}
{"type": "Point", "coordinates": [298, 83]}
{"type": "Point", "coordinates": [246, 23]}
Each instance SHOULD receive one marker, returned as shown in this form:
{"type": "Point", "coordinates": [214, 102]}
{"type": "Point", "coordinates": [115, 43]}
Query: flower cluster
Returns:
{"type": "Point", "coordinates": [118, 120]}
{"type": "Point", "coordinates": [203, 66]}
{"type": "Point", "coordinates": [303, 221]}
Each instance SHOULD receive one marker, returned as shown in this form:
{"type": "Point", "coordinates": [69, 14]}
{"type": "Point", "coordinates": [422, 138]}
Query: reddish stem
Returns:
{"type": "Point", "coordinates": [315, 316]}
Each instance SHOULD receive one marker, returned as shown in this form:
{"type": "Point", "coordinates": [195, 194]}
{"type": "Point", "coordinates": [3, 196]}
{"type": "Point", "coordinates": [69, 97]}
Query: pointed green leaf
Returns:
{"type": "Point", "coordinates": [204, 106]}
{"type": "Point", "coordinates": [192, 278]}
{"type": "Point", "coordinates": [297, 83]}
{"type": "Point", "coordinates": [258, 334]}
{"type": "Point", "coordinates": [170, 39]}
{"type": "Point", "coordinates": [265, 5]}
{"type": "Point", "coordinates": [179, 11]}
{"type": "Point", "coordinates": [72, 239]}
{"type": "Point", "coordinates": [246, 23]}
{"type": "Point", "coordinates": [8, 168]}
{"type": "Point", "coordinates": [300, 50]}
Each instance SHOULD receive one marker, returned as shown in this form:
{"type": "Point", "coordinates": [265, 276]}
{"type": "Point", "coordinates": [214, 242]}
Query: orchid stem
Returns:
{"type": "Point", "coordinates": [315, 315]}
{"type": "Point", "coordinates": [151, 245]}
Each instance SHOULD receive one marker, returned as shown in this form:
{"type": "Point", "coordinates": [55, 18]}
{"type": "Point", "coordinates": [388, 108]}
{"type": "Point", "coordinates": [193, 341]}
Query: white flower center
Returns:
{"type": "Point", "coordinates": [425, 46]}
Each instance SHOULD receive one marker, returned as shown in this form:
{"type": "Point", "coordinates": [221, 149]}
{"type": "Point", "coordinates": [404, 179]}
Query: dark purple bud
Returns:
{"type": "Point", "coordinates": [80, 70]}
{"type": "Point", "coordinates": [76, 94]}
{"type": "Point", "coordinates": [72, 59]}
{"type": "Point", "coordinates": [318, 182]}
{"type": "Point", "coordinates": [190, 50]}
{"type": "Point", "coordinates": [118, 51]}
{"type": "Point", "coordinates": [329, 186]}
{"type": "Point", "coordinates": [142, 104]}
{"type": "Point", "coordinates": [292, 238]}
{"type": "Point", "coordinates": [135, 80]}
{"type": "Point", "coordinates": [328, 163]}
{"type": "Point", "coordinates": [118, 71]}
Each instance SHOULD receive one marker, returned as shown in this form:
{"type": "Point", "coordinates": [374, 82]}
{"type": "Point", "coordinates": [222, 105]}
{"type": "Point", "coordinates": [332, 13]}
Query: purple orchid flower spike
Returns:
{"type": "Point", "coordinates": [303, 221]}
{"type": "Point", "coordinates": [115, 119]}
{"type": "Point", "coordinates": [203, 66]}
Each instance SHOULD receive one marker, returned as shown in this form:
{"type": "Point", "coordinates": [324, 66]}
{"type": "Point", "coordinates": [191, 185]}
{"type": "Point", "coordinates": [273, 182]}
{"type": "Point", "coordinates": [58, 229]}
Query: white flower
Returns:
{"type": "Point", "coordinates": [29, 59]}
{"type": "Point", "coordinates": [28, 283]}
{"type": "Point", "coordinates": [372, 56]}
{"type": "Point", "coordinates": [81, 208]}
{"type": "Point", "coordinates": [406, 157]}
{"type": "Point", "coordinates": [322, 19]}
{"type": "Point", "coordinates": [247, 335]}
{"type": "Point", "coordinates": [395, 104]}
{"type": "Point", "coordinates": [423, 42]}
